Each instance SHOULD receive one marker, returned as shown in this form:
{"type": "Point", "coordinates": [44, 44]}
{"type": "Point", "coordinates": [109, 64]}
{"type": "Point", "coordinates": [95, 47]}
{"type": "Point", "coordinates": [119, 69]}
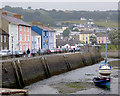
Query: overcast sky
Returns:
{"type": "Point", "coordinates": [64, 4]}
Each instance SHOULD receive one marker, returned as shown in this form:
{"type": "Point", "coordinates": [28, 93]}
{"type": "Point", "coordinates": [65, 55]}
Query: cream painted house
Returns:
{"type": "Point", "coordinates": [84, 36]}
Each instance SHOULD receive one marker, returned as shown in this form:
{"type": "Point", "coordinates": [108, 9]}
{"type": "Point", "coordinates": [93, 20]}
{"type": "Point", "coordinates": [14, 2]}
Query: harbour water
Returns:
{"type": "Point", "coordinates": [77, 81]}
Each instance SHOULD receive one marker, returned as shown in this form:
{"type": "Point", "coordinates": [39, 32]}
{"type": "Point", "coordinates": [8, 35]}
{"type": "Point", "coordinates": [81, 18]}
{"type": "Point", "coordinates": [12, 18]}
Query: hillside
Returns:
{"type": "Point", "coordinates": [53, 16]}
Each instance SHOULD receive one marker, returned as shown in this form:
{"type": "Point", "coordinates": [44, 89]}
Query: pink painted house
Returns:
{"type": "Point", "coordinates": [101, 39]}
{"type": "Point", "coordinates": [24, 36]}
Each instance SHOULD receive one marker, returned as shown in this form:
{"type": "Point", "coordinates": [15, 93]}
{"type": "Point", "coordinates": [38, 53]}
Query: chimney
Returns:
{"type": "Point", "coordinates": [4, 13]}
{"type": "Point", "coordinates": [17, 16]}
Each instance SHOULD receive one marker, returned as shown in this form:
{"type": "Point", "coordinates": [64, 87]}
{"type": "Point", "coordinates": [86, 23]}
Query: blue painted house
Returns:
{"type": "Point", "coordinates": [48, 39]}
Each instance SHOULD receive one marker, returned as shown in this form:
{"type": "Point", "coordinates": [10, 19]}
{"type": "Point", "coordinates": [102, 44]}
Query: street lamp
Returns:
{"type": "Point", "coordinates": [12, 43]}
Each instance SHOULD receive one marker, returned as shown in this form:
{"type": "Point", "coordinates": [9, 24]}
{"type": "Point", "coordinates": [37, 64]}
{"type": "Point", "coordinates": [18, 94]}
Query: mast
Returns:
{"type": "Point", "coordinates": [106, 44]}
{"type": "Point", "coordinates": [106, 47]}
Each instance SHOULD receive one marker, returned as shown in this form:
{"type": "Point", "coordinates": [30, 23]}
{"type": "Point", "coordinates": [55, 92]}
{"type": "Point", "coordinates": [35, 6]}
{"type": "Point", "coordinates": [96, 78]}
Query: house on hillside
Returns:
{"type": "Point", "coordinates": [19, 30]}
{"type": "Point", "coordinates": [84, 36]}
{"type": "Point", "coordinates": [48, 36]}
{"type": "Point", "coordinates": [101, 39]}
{"type": "Point", "coordinates": [67, 44]}
{"type": "Point", "coordinates": [4, 40]}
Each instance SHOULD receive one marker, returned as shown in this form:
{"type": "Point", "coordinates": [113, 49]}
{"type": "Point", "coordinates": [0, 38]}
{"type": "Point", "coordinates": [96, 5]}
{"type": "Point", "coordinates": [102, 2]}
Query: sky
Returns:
{"type": "Point", "coordinates": [89, 5]}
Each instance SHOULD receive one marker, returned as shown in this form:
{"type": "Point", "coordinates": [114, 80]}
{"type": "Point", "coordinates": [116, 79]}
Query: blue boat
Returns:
{"type": "Point", "coordinates": [102, 81]}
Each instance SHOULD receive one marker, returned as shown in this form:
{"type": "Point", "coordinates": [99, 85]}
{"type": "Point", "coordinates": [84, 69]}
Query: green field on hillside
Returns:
{"type": "Point", "coordinates": [110, 48]}
{"type": "Point", "coordinates": [100, 23]}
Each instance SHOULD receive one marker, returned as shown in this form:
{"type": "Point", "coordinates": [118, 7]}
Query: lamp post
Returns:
{"type": "Point", "coordinates": [12, 43]}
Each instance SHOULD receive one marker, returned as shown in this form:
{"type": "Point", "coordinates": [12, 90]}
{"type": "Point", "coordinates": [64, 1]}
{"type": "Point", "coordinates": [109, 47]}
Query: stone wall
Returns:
{"type": "Point", "coordinates": [20, 73]}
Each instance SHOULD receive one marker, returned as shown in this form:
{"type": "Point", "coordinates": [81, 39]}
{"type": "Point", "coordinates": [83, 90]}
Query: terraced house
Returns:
{"type": "Point", "coordinates": [4, 40]}
{"type": "Point", "coordinates": [101, 39]}
{"type": "Point", "coordinates": [48, 36]}
{"type": "Point", "coordinates": [85, 36]}
{"type": "Point", "coordinates": [19, 33]}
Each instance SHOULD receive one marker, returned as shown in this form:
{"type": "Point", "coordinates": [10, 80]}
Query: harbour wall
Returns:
{"type": "Point", "coordinates": [20, 73]}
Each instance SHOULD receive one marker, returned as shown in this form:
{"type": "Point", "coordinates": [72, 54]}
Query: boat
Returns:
{"type": "Point", "coordinates": [104, 69]}
{"type": "Point", "coordinates": [102, 81]}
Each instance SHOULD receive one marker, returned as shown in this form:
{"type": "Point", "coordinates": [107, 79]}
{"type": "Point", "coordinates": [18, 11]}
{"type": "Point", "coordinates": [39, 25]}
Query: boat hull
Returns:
{"type": "Point", "coordinates": [105, 72]}
{"type": "Point", "coordinates": [104, 82]}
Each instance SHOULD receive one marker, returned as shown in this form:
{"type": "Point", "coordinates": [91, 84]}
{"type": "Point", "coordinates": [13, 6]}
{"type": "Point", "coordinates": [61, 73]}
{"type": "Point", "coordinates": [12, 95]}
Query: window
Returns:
{"type": "Point", "coordinates": [1, 38]}
{"type": "Point", "coordinates": [4, 38]}
{"type": "Point", "coordinates": [43, 33]}
{"type": "Point", "coordinates": [20, 28]}
{"type": "Point", "coordinates": [5, 48]}
{"type": "Point", "coordinates": [83, 38]}
{"type": "Point", "coordinates": [27, 29]}
{"type": "Point", "coordinates": [20, 46]}
{"type": "Point", "coordinates": [24, 28]}
{"type": "Point", "coordinates": [26, 46]}
{"type": "Point", "coordinates": [28, 37]}
{"type": "Point", "coordinates": [25, 37]}
{"type": "Point", "coordinates": [46, 33]}
{"type": "Point", "coordinates": [20, 37]}
{"type": "Point", "coordinates": [32, 38]}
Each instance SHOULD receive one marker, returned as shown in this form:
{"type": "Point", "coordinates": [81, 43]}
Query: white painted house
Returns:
{"type": "Point", "coordinates": [35, 40]}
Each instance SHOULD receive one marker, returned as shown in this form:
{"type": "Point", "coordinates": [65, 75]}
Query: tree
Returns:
{"type": "Point", "coordinates": [66, 32]}
{"type": "Point", "coordinates": [113, 37]}
{"type": "Point", "coordinates": [93, 39]}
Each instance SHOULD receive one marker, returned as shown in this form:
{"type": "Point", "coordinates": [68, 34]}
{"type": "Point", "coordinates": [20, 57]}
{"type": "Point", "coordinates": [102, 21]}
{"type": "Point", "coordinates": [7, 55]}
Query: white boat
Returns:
{"type": "Point", "coordinates": [104, 69]}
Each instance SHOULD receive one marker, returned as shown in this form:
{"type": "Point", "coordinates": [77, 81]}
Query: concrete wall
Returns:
{"type": "Point", "coordinates": [29, 70]}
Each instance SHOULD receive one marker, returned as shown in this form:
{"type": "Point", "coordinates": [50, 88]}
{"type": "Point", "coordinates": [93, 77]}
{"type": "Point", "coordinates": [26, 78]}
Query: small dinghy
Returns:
{"type": "Point", "coordinates": [102, 81]}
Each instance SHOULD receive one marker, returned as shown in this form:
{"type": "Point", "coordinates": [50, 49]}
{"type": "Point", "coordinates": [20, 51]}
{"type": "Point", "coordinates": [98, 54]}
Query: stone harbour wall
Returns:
{"type": "Point", "coordinates": [22, 72]}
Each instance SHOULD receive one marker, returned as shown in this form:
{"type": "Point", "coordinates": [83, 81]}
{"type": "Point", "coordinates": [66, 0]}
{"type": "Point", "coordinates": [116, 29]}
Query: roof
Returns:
{"type": "Point", "coordinates": [3, 32]}
{"type": "Point", "coordinates": [34, 32]}
{"type": "Point", "coordinates": [45, 28]}
{"type": "Point", "coordinates": [87, 32]}
{"type": "Point", "coordinates": [60, 42]}
{"type": "Point", "coordinates": [15, 20]}
{"type": "Point", "coordinates": [73, 42]}
{"type": "Point", "coordinates": [101, 35]}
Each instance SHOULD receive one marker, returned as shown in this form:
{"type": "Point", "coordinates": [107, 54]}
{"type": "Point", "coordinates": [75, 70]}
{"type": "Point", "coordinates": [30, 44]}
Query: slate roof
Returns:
{"type": "Point", "coordinates": [44, 28]}
{"type": "Point", "coordinates": [15, 20]}
{"type": "Point", "coordinates": [101, 35]}
{"type": "Point", "coordinates": [3, 32]}
{"type": "Point", "coordinates": [87, 32]}
{"type": "Point", "coordinates": [61, 42]}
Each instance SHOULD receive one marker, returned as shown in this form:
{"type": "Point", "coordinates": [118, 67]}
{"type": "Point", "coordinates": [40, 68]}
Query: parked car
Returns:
{"type": "Point", "coordinates": [70, 50]}
{"type": "Point", "coordinates": [53, 50]}
{"type": "Point", "coordinates": [48, 51]}
{"type": "Point", "coordinates": [18, 53]}
{"type": "Point", "coordinates": [58, 50]}
{"type": "Point", "coordinates": [45, 51]}
{"type": "Point", "coordinates": [5, 52]}
{"type": "Point", "coordinates": [63, 50]}
{"type": "Point", "coordinates": [77, 49]}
